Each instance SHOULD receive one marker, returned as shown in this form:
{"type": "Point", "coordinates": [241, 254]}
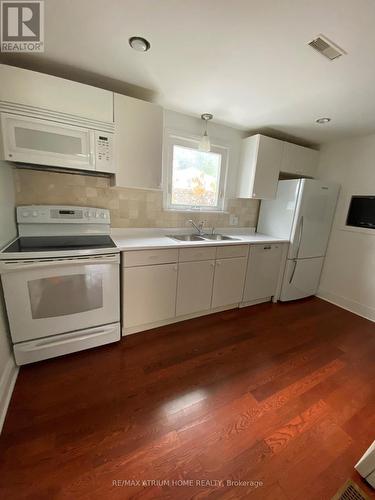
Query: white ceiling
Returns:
{"type": "Point", "coordinates": [245, 61]}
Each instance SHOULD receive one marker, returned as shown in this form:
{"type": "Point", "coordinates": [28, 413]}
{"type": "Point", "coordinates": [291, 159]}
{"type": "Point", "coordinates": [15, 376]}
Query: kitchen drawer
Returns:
{"type": "Point", "coordinates": [227, 252]}
{"type": "Point", "coordinates": [190, 254]}
{"type": "Point", "coordinates": [58, 345]}
{"type": "Point", "coordinates": [149, 257]}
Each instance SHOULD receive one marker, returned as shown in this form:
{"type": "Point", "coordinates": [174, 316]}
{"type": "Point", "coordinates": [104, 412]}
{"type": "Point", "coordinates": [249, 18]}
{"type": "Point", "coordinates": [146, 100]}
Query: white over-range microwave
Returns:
{"type": "Point", "coordinates": [49, 141]}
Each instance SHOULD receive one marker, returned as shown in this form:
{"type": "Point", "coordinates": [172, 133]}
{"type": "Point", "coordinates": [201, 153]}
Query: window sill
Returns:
{"type": "Point", "coordinates": [195, 211]}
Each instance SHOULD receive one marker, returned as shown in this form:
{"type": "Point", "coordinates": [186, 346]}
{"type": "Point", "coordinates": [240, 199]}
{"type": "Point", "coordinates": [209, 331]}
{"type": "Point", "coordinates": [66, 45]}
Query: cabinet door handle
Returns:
{"type": "Point", "coordinates": [267, 247]}
{"type": "Point", "coordinates": [218, 263]}
{"type": "Point", "coordinates": [212, 264]}
{"type": "Point", "coordinates": [300, 236]}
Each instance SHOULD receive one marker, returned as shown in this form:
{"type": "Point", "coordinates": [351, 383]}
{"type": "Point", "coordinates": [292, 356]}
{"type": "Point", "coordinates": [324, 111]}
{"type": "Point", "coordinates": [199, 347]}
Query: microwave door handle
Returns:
{"type": "Point", "coordinates": [92, 154]}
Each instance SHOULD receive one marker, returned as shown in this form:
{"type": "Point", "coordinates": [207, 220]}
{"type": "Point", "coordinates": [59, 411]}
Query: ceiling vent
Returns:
{"type": "Point", "coordinates": [327, 48]}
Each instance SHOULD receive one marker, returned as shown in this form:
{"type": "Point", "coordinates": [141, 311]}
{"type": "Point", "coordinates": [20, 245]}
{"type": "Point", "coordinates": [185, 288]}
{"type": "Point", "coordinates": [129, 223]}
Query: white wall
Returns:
{"type": "Point", "coordinates": [219, 134]}
{"type": "Point", "coordinates": [8, 231]}
{"type": "Point", "coordinates": [348, 277]}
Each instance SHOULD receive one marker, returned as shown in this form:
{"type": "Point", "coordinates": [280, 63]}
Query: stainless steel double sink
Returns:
{"type": "Point", "coordinates": [203, 237]}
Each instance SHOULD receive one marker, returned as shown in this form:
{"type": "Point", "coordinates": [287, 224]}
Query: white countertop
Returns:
{"type": "Point", "coordinates": [143, 238]}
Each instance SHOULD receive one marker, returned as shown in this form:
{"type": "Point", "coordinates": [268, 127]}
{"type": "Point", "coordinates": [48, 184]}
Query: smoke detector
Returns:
{"type": "Point", "coordinates": [327, 48]}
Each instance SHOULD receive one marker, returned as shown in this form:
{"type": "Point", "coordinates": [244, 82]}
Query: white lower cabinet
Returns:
{"type": "Point", "coordinates": [262, 272]}
{"type": "Point", "coordinates": [163, 285]}
{"type": "Point", "coordinates": [149, 294]}
{"type": "Point", "coordinates": [229, 281]}
{"type": "Point", "coordinates": [194, 288]}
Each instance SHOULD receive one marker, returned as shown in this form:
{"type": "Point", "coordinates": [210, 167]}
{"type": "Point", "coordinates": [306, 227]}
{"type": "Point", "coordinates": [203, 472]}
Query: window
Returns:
{"type": "Point", "coordinates": [196, 180]}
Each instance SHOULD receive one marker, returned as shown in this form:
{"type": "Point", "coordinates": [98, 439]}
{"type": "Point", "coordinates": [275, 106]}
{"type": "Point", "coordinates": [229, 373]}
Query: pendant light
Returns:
{"type": "Point", "coordinates": [204, 144]}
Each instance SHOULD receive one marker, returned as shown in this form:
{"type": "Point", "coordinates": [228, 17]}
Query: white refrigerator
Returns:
{"type": "Point", "coordinates": [301, 213]}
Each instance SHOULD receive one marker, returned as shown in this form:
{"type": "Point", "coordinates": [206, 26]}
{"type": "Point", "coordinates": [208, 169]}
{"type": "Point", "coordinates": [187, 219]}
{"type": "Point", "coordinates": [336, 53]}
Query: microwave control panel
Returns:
{"type": "Point", "coordinates": [104, 151]}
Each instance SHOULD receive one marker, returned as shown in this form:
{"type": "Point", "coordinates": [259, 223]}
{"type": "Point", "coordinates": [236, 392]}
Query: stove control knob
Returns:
{"type": "Point", "coordinates": [102, 215]}
{"type": "Point", "coordinates": [97, 215]}
{"type": "Point", "coordinates": [35, 213]}
{"type": "Point", "coordinates": [25, 214]}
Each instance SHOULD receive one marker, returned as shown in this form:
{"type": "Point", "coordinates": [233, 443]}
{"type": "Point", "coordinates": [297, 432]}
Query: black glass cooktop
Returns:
{"type": "Point", "coordinates": [56, 243]}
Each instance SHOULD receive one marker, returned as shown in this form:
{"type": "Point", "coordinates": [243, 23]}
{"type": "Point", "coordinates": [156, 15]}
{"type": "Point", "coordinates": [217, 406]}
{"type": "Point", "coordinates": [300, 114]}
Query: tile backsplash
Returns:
{"type": "Point", "coordinates": [129, 207]}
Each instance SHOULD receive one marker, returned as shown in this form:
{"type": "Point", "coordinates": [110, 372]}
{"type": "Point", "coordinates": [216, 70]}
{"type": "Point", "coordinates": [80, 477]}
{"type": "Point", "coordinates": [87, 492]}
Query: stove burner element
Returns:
{"type": "Point", "coordinates": [56, 243]}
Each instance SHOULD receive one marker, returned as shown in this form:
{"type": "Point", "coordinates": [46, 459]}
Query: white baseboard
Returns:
{"type": "Point", "coordinates": [7, 381]}
{"type": "Point", "coordinates": [175, 319]}
{"type": "Point", "coordinates": [255, 302]}
{"type": "Point", "coordinates": [366, 312]}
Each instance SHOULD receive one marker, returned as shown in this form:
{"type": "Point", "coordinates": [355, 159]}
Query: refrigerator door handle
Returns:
{"type": "Point", "coordinates": [300, 236]}
{"type": "Point", "coordinates": [294, 270]}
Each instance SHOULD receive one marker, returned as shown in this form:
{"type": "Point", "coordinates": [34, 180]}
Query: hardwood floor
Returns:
{"type": "Point", "coordinates": [278, 394]}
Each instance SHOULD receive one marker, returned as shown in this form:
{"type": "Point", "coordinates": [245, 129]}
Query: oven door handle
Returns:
{"type": "Point", "coordinates": [8, 266]}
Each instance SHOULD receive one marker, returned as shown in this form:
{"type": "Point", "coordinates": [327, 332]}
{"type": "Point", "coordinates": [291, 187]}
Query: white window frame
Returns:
{"type": "Point", "coordinates": [178, 139]}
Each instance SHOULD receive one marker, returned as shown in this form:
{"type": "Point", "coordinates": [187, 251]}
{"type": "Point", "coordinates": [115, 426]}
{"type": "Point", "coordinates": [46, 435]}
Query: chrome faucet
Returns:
{"type": "Point", "coordinates": [198, 227]}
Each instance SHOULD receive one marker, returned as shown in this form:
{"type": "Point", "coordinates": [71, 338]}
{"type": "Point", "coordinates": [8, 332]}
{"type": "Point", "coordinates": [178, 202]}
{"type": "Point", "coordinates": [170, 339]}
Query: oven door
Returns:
{"type": "Point", "coordinates": [48, 297]}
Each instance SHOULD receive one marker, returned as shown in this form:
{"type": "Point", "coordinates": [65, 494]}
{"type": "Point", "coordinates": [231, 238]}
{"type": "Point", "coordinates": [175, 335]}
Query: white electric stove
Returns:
{"type": "Point", "coordinates": [61, 282]}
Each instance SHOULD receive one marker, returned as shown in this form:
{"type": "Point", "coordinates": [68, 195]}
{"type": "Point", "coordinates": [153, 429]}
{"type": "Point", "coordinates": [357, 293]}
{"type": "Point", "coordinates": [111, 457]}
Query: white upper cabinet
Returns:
{"type": "Point", "coordinates": [260, 167]}
{"type": "Point", "coordinates": [30, 88]}
{"type": "Point", "coordinates": [138, 143]}
{"type": "Point", "coordinates": [299, 160]}
{"type": "Point", "coordinates": [262, 160]}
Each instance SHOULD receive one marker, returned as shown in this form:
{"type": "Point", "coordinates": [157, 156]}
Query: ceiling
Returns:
{"type": "Point", "coordinates": [245, 61]}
